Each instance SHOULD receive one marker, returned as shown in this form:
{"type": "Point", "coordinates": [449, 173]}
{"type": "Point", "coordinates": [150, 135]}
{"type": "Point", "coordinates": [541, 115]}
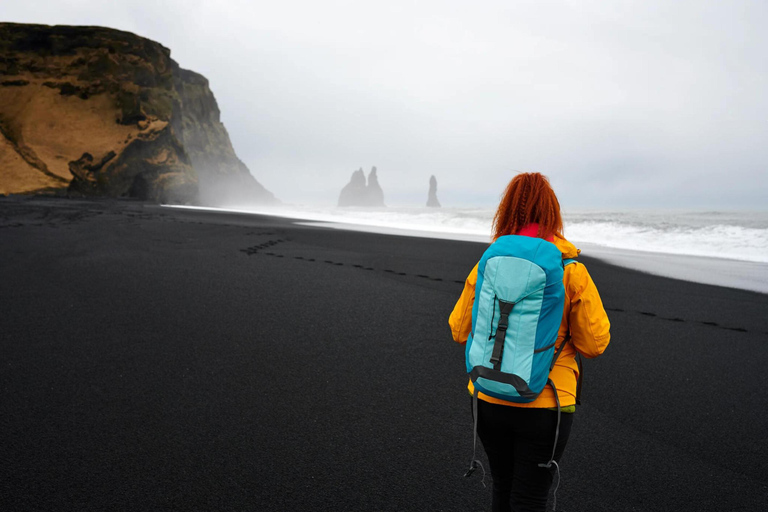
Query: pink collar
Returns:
{"type": "Point", "coordinates": [532, 231]}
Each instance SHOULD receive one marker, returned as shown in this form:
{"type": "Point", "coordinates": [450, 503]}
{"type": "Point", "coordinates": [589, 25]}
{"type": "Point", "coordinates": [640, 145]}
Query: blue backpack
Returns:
{"type": "Point", "coordinates": [519, 301]}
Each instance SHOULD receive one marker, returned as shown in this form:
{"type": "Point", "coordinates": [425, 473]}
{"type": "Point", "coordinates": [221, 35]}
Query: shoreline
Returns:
{"type": "Point", "coordinates": [728, 273]}
{"type": "Point", "coordinates": [710, 270]}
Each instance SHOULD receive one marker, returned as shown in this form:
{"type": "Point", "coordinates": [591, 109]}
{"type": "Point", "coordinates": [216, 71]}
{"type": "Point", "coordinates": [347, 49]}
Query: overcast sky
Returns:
{"type": "Point", "coordinates": [651, 103]}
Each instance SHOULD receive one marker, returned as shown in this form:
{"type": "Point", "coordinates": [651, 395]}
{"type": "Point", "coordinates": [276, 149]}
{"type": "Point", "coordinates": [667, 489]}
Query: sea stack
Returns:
{"type": "Point", "coordinates": [101, 112]}
{"type": "Point", "coordinates": [432, 201]}
{"type": "Point", "coordinates": [359, 193]}
{"type": "Point", "coordinates": [375, 194]}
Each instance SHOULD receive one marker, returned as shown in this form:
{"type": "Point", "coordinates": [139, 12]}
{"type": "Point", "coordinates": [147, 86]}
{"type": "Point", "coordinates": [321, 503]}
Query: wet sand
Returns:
{"type": "Point", "coordinates": [157, 359]}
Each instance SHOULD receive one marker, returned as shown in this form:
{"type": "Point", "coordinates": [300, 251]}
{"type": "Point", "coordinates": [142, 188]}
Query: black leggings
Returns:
{"type": "Point", "coordinates": [516, 441]}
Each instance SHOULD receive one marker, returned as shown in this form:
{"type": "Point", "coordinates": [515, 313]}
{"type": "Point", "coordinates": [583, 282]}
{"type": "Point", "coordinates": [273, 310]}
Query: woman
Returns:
{"type": "Point", "coordinates": [519, 437]}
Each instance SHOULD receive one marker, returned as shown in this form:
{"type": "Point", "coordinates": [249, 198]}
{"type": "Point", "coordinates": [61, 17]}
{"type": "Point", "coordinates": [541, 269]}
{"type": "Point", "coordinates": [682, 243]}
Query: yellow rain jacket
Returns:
{"type": "Point", "coordinates": [583, 315]}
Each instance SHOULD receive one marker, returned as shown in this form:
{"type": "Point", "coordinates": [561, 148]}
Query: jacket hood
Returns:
{"type": "Point", "coordinates": [567, 248]}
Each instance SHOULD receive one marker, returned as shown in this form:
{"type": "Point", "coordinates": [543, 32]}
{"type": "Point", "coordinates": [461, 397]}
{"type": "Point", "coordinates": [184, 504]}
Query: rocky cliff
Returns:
{"type": "Point", "coordinates": [98, 111]}
{"type": "Point", "coordinates": [359, 193]}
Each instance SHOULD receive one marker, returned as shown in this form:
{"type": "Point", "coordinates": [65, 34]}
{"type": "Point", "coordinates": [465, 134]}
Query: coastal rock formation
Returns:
{"type": "Point", "coordinates": [432, 201]}
{"type": "Point", "coordinates": [98, 111]}
{"type": "Point", "coordinates": [375, 194]}
{"type": "Point", "coordinates": [354, 191]}
{"type": "Point", "coordinates": [358, 193]}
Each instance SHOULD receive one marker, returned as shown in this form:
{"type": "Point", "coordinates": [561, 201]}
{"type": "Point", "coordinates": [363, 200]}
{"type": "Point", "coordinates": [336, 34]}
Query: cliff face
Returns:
{"type": "Point", "coordinates": [223, 178]}
{"type": "Point", "coordinates": [98, 111]}
{"type": "Point", "coordinates": [358, 193]}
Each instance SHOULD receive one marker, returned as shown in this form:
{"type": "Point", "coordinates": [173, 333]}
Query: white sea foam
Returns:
{"type": "Point", "coordinates": [719, 241]}
{"type": "Point", "coordinates": [716, 237]}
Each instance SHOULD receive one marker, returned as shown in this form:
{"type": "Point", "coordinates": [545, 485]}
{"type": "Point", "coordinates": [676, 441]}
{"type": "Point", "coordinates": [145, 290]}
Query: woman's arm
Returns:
{"type": "Point", "coordinates": [461, 316]}
{"type": "Point", "coordinates": [588, 321]}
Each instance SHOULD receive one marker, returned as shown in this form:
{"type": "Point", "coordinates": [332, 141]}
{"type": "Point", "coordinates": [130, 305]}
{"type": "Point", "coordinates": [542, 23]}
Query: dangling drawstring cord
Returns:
{"type": "Point", "coordinates": [554, 493]}
{"type": "Point", "coordinates": [475, 463]}
{"type": "Point", "coordinates": [554, 449]}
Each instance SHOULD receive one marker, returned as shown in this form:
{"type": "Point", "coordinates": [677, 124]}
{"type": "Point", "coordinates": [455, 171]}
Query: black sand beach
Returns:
{"type": "Point", "coordinates": [158, 359]}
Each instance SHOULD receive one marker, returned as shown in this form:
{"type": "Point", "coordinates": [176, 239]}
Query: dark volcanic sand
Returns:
{"type": "Point", "coordinates": [165, 359]}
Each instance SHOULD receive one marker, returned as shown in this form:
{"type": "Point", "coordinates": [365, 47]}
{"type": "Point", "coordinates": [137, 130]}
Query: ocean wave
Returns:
{"type": "Point", "coordinates": [718, 241]}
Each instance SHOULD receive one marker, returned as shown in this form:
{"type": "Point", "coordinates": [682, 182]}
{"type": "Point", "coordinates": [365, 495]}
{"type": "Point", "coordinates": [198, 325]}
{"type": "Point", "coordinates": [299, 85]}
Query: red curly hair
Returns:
{"type": "Point", "coordinates": [528, 199]}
